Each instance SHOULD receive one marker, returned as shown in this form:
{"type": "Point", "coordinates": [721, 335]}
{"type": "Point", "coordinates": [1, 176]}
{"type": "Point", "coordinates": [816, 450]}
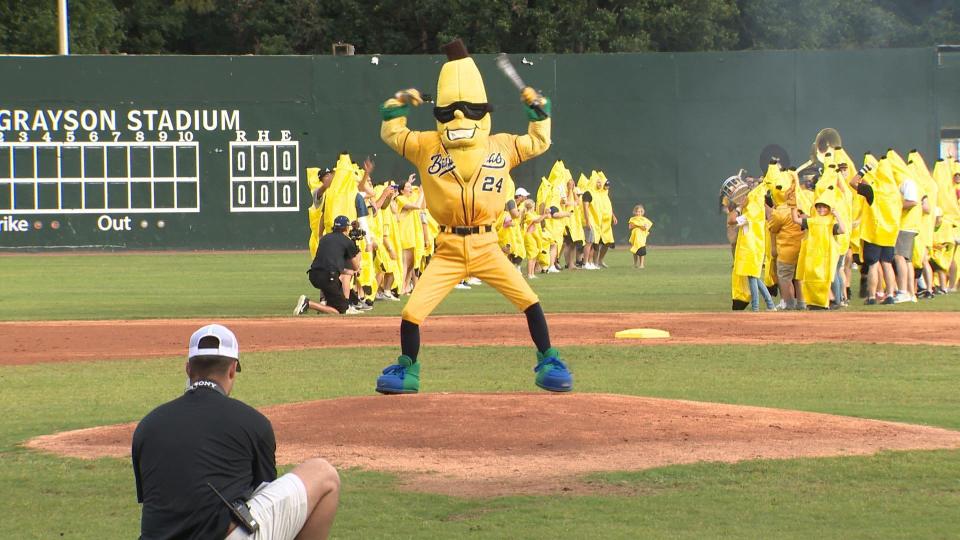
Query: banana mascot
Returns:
{"type": "Point", "coordinates": [465, 171]}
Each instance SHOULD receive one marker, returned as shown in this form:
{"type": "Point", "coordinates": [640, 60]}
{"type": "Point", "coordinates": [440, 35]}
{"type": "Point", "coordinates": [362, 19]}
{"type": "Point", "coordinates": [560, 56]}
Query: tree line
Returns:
{"type": "Point", "coordinates": [487, 26]}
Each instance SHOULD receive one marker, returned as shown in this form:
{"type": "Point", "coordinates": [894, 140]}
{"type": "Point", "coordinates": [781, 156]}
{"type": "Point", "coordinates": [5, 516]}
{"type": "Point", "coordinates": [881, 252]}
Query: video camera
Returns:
{"type": "Point", "coordinates": [356, 233]}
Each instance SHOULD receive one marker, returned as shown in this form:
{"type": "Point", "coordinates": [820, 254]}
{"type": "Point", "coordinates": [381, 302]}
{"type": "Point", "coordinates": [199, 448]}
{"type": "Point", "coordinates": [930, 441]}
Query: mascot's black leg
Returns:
{"type": "Point", "coordinates": [410, 338]}
{"type": "Point", "coordinates": [537, 323]}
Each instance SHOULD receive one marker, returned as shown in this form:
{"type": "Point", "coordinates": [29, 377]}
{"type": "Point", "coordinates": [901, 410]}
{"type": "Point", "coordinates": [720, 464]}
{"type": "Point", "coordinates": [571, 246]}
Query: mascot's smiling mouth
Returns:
{"type": "Point", "coordinates": [457, 134]}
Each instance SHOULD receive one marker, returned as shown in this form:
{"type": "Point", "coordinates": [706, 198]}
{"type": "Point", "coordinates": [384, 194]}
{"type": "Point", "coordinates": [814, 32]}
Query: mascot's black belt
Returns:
{"type": "Point", "coordinates": [465, 231]}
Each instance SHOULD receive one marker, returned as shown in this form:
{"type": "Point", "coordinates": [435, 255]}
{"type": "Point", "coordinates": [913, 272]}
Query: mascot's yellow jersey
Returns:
{"type": "Point", "coordinates": [455, 194]}
{"type": "Point", "coordinates": [752, 238]}
{"type": "Point", "coordinates": [638, 236]}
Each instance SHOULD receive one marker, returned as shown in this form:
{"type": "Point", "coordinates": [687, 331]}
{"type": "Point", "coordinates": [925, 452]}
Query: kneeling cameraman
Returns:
{"type": "Point", "coordinates": [335, 253]}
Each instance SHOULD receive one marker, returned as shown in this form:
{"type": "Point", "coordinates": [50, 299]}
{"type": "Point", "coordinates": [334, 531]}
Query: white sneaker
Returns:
{"type": "Point", "coordinates": [901, 297]}
{"type": "Point", "coordinates": [462, 286]}
{"type": "Point", "coordinates": [589, 266]}
{"type": "Point", "coordinates": [352, 311]}
{"type": "Point", "coordinates": [392, 297]}
{"type": "Point", "coordinates": [382, 296]}
{"type": "Point", "coordinates": [604, 265]}
{"type": "Point", "coordinates": [302, 304]}
{"type": "Point", "coordinates": [532, 276]}
{"type": "Point", "coordinates": [474, 281]}
{"type": "Point", "coordinates": [553, 270]}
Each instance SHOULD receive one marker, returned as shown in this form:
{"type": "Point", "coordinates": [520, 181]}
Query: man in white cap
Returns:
{"type": "Point", "coordinates": [205, 464]}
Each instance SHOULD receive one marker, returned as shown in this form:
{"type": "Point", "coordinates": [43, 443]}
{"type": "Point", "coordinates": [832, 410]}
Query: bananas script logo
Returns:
{"type": "Point", "coordinates": [440, 164]}
{"type": "Point", "coordinates": [495, 161]}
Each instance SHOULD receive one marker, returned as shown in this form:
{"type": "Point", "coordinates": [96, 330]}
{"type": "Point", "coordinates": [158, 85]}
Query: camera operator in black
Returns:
{"type": "Point", "coordinates": [337, 254]}
{"type": "Point", "coordinates": [204, 445]}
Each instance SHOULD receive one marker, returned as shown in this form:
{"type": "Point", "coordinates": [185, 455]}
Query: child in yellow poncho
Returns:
{"type": "Point", "coordinates": [751, 246]}
{"type": "Point", "coordinates": [816, 267]}
{"type": "Point", "coordinates": [639, 231]}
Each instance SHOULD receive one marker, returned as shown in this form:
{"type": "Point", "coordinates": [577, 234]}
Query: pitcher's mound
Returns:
{"type": "Point", "coordinates": [495, 444]}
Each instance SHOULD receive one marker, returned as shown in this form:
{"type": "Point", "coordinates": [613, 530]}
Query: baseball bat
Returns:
{"type": "Point", "coordinates": [503, 63]}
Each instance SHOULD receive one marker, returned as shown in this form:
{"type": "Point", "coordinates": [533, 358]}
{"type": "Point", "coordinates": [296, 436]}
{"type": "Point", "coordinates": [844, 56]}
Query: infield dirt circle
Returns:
{"type": "Point", "coordinates": [494, 444]}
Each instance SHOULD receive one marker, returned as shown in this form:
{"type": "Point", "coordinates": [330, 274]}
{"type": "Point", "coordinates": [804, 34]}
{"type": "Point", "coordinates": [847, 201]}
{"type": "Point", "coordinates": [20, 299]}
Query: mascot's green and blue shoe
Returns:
{"type": "Point", "coordinates": [400, 378]}
{"type": "Point", "coordinates": [552, 373]}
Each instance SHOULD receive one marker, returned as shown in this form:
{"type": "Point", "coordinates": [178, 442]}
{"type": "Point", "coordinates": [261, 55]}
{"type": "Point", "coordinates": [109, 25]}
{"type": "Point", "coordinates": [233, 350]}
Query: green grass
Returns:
{"type": "Point", "coordinates": [258, 284]}
{"type": "Point", "coordinates": [891, 495]}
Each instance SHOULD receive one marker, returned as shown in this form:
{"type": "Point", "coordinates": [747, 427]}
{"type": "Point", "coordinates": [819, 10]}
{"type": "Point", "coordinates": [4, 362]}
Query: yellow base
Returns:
{"type": "Point", "coordinates": [642, 333]}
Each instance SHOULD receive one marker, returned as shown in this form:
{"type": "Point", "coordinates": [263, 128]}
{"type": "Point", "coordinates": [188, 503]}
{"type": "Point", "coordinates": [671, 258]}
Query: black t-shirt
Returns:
{"type": "Point", "coordinates": [587, 197]}
{"type": "Point", "coordinates": [333, 252]}
{"type": "Point", "coordinates": [202, 436]}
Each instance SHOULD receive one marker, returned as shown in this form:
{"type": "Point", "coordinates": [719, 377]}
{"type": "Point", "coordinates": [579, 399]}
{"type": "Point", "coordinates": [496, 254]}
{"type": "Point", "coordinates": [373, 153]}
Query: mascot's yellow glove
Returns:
{"type": "Point", "coordinates": [399, 104]}
{"type": "Point", "coordinates": [538, 107]}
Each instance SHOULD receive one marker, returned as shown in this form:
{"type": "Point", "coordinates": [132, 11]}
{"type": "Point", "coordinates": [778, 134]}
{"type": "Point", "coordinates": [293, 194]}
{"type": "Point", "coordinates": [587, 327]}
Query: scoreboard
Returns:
{"type": "Point", "coordinates": [99, 177]}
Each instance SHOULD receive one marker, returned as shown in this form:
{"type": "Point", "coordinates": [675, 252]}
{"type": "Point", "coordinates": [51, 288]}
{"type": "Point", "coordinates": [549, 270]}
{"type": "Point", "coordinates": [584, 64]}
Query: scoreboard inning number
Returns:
{"type": "Point", "coordinates": [263, 176]}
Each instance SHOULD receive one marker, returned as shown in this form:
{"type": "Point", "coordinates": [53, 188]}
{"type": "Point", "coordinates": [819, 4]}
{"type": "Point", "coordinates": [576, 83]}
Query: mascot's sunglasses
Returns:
{"type": "Point", "coordinates": [473, 111]}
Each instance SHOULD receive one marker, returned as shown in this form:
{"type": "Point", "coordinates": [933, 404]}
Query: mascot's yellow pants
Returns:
{"type": "Point", "coordinates": [457, 257]}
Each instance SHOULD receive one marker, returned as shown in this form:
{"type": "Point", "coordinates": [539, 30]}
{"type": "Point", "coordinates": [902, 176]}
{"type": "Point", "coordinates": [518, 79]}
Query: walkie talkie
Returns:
{"type": "Point", "coordinates": [240, 512]}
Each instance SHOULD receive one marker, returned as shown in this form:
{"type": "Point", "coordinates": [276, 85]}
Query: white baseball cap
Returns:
{"type": "Point", "coordinates": [522, 193]}
{"type": "Point", "coordinates": [214, 340]}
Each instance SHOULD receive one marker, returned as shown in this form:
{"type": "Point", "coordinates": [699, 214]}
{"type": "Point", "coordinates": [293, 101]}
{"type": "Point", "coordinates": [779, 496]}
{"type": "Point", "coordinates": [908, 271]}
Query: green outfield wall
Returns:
{"type": "Point", "coordinates": [199, 152]}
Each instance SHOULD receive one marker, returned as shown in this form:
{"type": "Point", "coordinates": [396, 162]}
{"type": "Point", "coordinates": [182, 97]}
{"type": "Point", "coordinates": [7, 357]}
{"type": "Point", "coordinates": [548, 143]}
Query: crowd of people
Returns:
{"type": "Point", "coordinates": [566, 225]}
{"type": "Point", "coordinates": [800, 234]}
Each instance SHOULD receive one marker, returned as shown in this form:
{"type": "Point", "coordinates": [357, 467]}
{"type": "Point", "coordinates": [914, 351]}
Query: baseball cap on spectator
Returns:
{"type": "Point", "coordinates": [522, 193]}
{"type": "Point", "coordinates": [214, 340]}
{"type": "Point", "coordinates": [341, 222]}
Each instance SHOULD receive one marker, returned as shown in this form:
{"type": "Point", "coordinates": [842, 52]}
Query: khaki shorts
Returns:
{"type": "Point", "coordinates": [280, 508]}
{"type": "Point", "coordinates": [786, 272]}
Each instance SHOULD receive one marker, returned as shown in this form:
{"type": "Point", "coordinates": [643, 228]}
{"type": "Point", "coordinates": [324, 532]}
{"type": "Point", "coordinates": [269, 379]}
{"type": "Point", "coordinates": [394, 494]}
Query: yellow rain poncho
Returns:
{"type": "Point", "coordinates": [752, 237]}
{"type": "Point", "coordinates": [340, 198]}
{"type": "Point", "coordinates": [605, 208]}
{"type": "Point", "coordinates": [314, 211]}
{"type": "Point", "coordinates": [881, 220]}
{"type": "Point", "coordinates": [817, 263]}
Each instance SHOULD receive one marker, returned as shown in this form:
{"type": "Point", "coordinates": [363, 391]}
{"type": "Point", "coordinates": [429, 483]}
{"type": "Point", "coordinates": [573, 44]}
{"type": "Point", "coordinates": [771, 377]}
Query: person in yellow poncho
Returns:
{"type": "Point", "coordinates": [532, 236]}
{"type": "Point", "coordinates": [751, 245]}
{"type": "Point", "coordinates": [945, 177]}
{"type": "Point", "coordinates": [881, 226]}
{"type": "Point", "coordinates": [941, 253]}
{"type": "Point", "coordinates": [787, 238]}
{"type": "Point", "coordinates": [590, 218]}
{"type": "Point", "coordinates": [318, 181]}
{"type": "Point", "coordinates": [816, 267]}
{"type": "Point", "coordinates": [573, 224]}
{"type": "Point", "coordinates": [409, 205]}
{"type": "Point", "coordinates": [607, 220]}
{"type": "Point", "coordinates": [910, 221]}
{"type": "Point", "coordinates": [923, 247]}
{"type": "Point", "coordinates": [639, 227]}
{"type": "Point", "coordinates": [386, 232]}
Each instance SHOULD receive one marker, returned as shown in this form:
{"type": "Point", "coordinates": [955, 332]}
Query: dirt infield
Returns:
{"type": "Point", "coordinates": [498, 444]}
{"type": "Point", "coordinates": [59, 341]}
